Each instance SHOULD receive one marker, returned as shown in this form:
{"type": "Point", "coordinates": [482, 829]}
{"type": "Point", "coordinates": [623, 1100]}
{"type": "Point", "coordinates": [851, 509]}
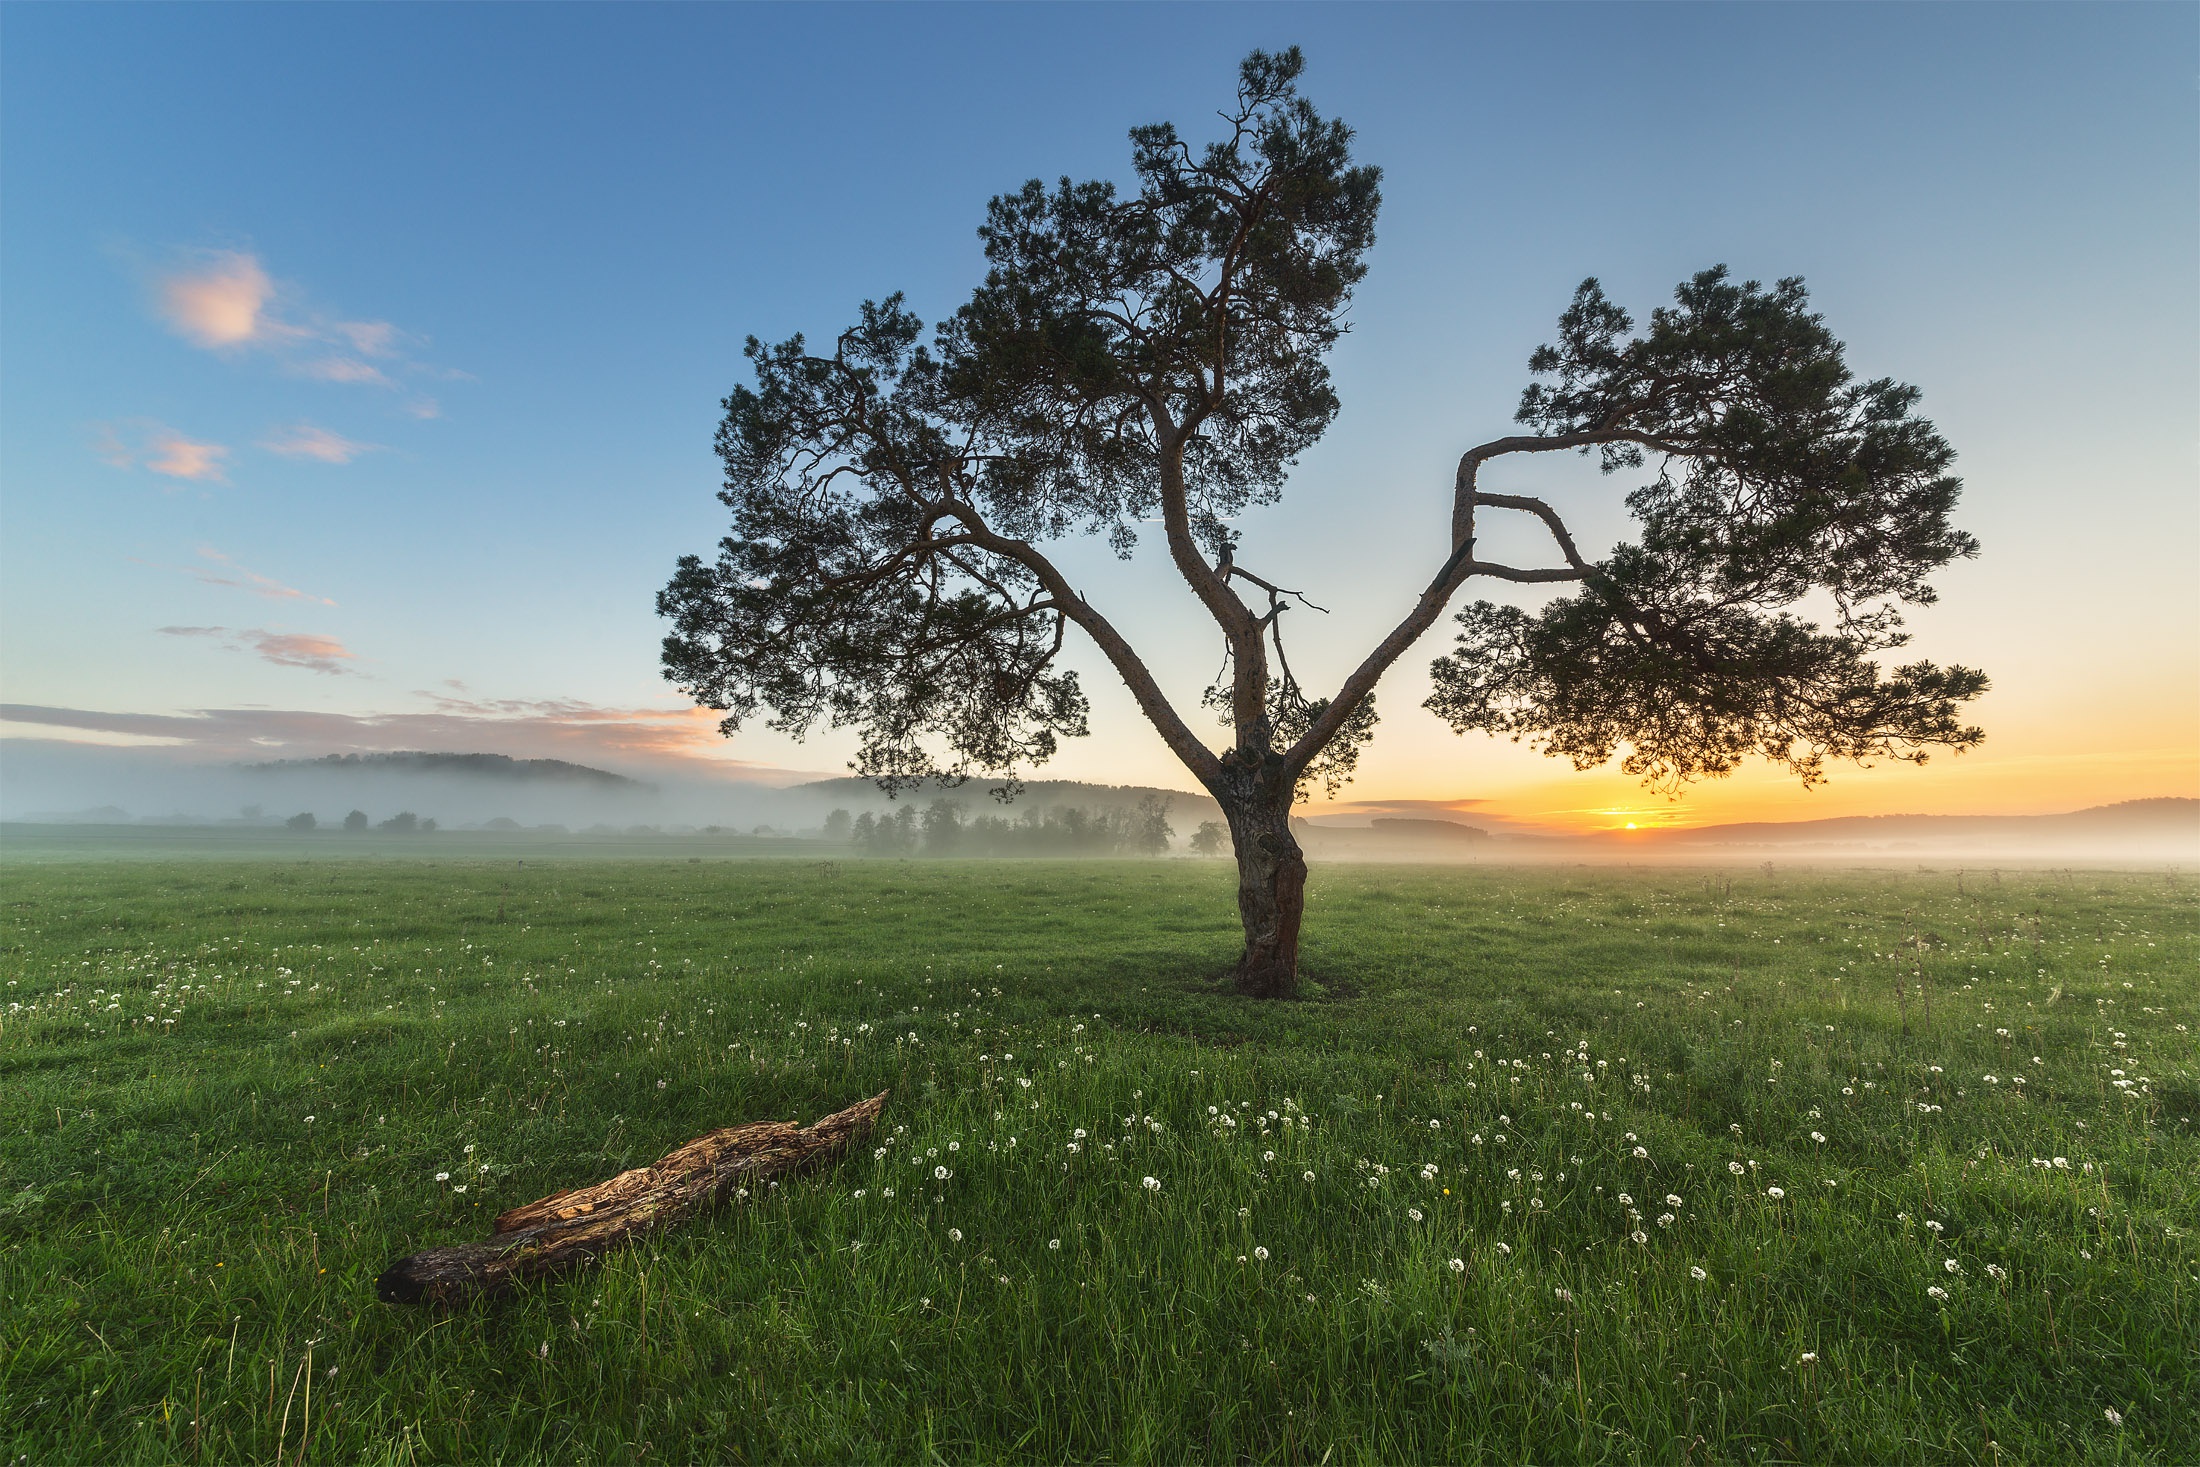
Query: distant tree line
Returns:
{"type": "Point", "coordinates": [404, 822]}
{"type": "Point", "coordinates": [945, 828]}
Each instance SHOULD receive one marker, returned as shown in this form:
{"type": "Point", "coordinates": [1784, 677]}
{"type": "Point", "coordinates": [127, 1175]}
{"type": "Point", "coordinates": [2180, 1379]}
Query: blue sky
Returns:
{"type": "Point", "coordinates": [360, 363]}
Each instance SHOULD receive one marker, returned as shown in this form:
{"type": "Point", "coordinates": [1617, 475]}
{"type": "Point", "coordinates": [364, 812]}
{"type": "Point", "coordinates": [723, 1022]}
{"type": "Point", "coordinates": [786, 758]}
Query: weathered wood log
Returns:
{"type": "Point", "coordinates": [572, 1228]}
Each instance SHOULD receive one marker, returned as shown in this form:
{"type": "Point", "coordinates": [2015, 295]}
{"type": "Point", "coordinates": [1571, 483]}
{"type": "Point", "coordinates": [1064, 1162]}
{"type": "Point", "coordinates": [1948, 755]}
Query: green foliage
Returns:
{"type": "Point", "coordinates": [227, 1090]}
{"type": "Point", "coordinates": [881, 574]}
{"type": "Point", "coordinates": [1780, 478]}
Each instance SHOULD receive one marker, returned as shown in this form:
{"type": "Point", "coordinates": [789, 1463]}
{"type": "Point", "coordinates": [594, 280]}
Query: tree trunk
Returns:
{"type": "Point", "coordinates": [571, 1228]}
{"type": "Point", "coordinates": [1271, 896]}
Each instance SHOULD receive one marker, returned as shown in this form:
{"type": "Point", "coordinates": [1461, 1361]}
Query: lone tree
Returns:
{"type": "Point", "coordinates": [1161, 354]}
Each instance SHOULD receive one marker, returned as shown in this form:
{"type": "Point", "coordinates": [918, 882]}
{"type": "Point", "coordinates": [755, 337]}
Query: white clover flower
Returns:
{"type": "Point", "coordinates": [1151, 1184]}
{"type": "Point", "coordinates": [941, 1174]}
{"type": "Point", "coordinates": [1697, 1273]}
{"type": "Point", "coordinates": [1639, 1236]}
{"type": "Point", "coordinates": [1642, 1153]}
{"type": "Point", "coordinates": [1775, 1193]}
{"type": "Point", "coordinates": [1565, 1295]}
{"type": "Point", "coordinates": [309, 1121]}
{"type": "Point", "coordinates": [2115, 1417]}
{"type": "Point", "coordinates": [443, 1176]}
{"type": "Point", "coordinates": [954, 1235]}
{"type": "Point", "coordinates": [1937, 1292]}
{"type": "Point", "coordinates": [1665, 1219]}
{"type": "Point", "coordinates": [1308, 1176]}
{"type": "Point", "coordinates": [1996, 1272]}
{"type": "Point", "coordinates": [1951, 1265]}
{"type": "Point", "coordinates": [1810, 1357]}
{"type": "Point", "coordinates": [954, 1146]}
{"type": "Point", "coordinates": [1458, 1265]}
{"type": "Point", "coordinates": [1671, 1200]}
{"type": "Point", "coordinates": [1625, 1200]}
{"type": "Point", "coordinates": [1261, 1254]}
{"type": "Point", "coordinates": [1734, 1167]}
{"type": "Point", "coordinates": [1054, 1245]}
{"type": "Point", "coordinates": [1414, 1213]}
{"type": "Point", "coordinates": [459, 1188]}
{"type": "Point", "coordinates": [1505, 1249]}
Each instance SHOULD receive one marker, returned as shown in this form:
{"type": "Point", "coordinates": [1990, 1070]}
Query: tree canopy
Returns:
{"type": "Point", "coordinates": [1161, 353]}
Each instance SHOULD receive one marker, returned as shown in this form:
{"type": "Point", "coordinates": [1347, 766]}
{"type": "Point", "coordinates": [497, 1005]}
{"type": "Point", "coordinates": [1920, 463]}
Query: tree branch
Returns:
{"type": "Point", "coordinates": [1152, 701]}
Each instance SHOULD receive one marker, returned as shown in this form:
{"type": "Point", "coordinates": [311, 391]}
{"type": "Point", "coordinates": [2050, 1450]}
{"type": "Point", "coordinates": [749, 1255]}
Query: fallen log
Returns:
{"type": "Point", "coordinates": [572, 1228]}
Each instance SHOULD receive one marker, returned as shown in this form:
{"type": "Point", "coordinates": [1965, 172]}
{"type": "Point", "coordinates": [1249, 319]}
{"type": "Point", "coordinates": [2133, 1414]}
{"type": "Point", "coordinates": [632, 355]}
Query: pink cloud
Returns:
{"type": "Point", "coordinates": [344, 369]}
{"type": "Point", "coordinates": [369, 338]}
{"type": "Point", "coordinates": [180, 458]}
{"type": "Point", "coordinates": [226, 572]}
{"type": "Point", "coordinates": [225, 300]}
{"type": "Point", "coordinates": [303, 440]}
{"type": "Point", "coordinates": [142, 444]}
{"type": "Point", "coordinates": [220, 303]}
{"type": "Point", "coordinates": [307, 650]}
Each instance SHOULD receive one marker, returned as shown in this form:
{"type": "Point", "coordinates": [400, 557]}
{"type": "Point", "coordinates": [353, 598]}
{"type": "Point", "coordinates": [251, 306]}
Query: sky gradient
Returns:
{"type": "Point", "coordinates": [359, 364]}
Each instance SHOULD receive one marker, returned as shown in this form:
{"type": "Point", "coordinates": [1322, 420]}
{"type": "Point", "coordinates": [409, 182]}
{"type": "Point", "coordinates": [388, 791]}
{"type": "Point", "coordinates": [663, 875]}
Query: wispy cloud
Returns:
{"type": "Point", "coordinates": [308, 650]}
{"type": "Point", "coordinates": [182, 458]}
{"type": "Point", "coordinates": [223, 570]}
{"type": "Point", "coordinates": [220, 300]}
{"type": "Point", "coordinates": [304, 440]}
{"type": "Point", "coordinates": [160, 449]}
{"type": "Point", "coordinates": [667, 739]}
{"type": "Point", "coordinates": [226, 301]}
{"type": "Point", "coordinates": [344, 369]}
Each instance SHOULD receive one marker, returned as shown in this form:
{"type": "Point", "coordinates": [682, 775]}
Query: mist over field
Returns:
{"type": "Point", "coordinates": [53, 783]}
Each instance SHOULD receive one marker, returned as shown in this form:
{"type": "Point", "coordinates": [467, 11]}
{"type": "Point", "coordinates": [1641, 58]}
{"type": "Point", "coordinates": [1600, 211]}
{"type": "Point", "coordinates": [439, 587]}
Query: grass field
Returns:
{"type": "Point", "coordinates": [1596, 1165]}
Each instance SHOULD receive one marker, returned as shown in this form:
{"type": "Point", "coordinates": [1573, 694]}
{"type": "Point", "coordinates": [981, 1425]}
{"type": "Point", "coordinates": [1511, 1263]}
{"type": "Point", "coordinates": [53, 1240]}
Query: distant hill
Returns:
{"type": "Point", "coordinates": [471, 766]}
{"type": "Point", "coordinates": [1443, 830]}
{"type": "Point", "coordinates": [2144, 820]}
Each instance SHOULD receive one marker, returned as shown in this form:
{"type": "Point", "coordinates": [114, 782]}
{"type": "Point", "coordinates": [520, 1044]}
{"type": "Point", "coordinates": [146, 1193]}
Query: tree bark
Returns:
{"type": "Point", "coordinates": [1271, 895]}
{"type": "Point", "coordinates": [571, 1228]}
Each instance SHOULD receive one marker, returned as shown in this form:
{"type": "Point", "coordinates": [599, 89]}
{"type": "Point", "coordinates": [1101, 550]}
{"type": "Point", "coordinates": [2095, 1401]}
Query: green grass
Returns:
{"type": "Point", "coordinates": [227, 1091]}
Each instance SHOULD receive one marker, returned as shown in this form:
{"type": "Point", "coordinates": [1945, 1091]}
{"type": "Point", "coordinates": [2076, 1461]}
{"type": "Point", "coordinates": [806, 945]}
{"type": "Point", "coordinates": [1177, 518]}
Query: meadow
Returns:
{"type": "Point", "coordinates": [1603, 1165]}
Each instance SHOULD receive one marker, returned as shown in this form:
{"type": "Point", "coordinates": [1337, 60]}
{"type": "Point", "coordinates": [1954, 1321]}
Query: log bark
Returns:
{"type": "Point", "coordinates": [572, 1228]}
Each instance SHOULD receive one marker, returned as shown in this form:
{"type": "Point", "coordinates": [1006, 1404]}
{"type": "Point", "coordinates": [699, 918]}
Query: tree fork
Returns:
{"type": "Point", "coordinates": [568, 1229]}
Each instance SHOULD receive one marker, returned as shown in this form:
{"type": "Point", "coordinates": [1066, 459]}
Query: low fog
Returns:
{"type": "Point", "coordinates": [61, 783]}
